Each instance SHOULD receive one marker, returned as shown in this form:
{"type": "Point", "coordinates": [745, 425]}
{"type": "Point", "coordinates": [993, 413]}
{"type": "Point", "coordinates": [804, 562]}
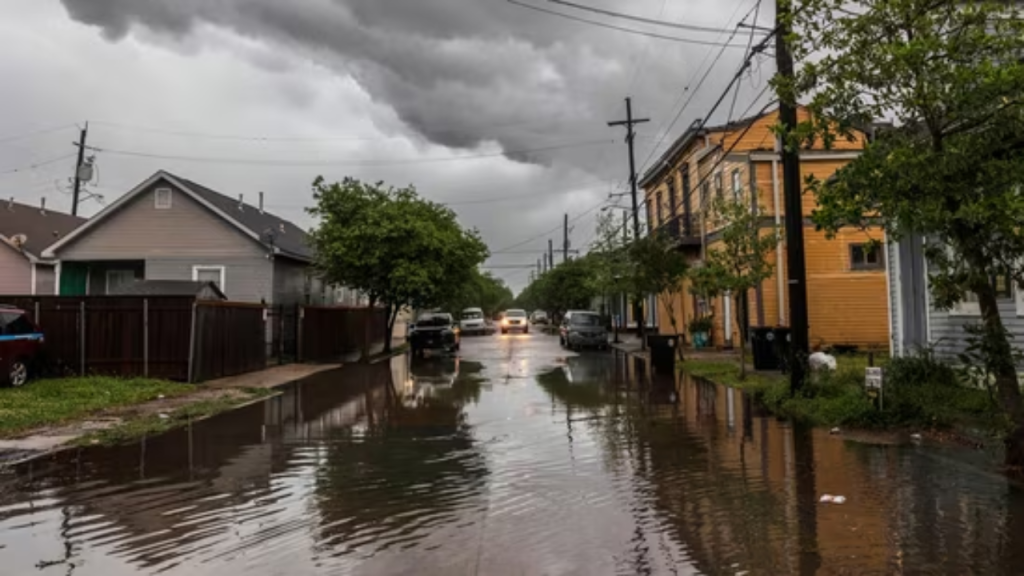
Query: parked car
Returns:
{"type": "Point", "coordinates": [473, 322]}
{"type": "Point", "coordinates": [21, 342]}
{"type": "Point", "coordinates": [539, 317]}
{"type": "Point", "coordinates": [435, 331]}
{"type": "Point", "coordinates": [515, 319]}
{"type": "Point", "coordinates": [583, 329]}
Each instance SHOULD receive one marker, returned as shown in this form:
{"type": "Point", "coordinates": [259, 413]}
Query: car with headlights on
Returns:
{"type": "Point", "coordinates": [583, 329]}
{"type": "Point", "coordinates": [515, 320]}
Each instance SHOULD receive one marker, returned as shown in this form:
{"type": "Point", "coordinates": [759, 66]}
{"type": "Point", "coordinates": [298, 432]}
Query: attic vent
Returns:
{"type": "Point", "coordinates": [282, 228]}
{"type": "Point", "coordinates": [162, 199]}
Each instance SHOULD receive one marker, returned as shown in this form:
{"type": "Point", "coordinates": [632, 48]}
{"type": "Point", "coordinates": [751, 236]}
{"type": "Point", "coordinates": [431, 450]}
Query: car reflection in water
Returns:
{"type": "Point", "coordinates": [429, 379]}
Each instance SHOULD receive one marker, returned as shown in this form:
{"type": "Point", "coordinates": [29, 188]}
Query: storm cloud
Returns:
{"type": "Point", "coordinates": [428, 81]}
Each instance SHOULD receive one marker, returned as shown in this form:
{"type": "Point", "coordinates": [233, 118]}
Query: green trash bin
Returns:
{"type": "Point", "coordinates": [663, 352]}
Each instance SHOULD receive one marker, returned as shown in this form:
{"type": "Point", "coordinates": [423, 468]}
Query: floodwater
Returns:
{"type": "Point", "coordinates": [518, 458]}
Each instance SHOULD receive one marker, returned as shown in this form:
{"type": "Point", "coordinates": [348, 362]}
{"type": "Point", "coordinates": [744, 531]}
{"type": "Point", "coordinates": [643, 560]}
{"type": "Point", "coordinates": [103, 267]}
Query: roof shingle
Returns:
{"type": "Point", "coordinates": [40, 227]}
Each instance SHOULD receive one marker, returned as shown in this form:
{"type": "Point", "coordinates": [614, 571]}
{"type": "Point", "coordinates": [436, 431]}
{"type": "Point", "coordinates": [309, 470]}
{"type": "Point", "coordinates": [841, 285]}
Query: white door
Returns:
{"type": "Point", "coordinates": [727, 316]}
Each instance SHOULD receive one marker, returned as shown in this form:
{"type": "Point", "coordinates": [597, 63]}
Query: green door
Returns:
{"type": "Point", "coordinates": [73, 276]}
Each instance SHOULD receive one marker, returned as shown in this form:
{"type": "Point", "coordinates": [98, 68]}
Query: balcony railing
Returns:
{"type": "Point", "coordinates": [683, 228]}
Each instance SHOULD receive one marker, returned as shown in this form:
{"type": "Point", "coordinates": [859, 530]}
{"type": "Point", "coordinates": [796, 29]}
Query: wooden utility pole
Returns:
{"type": "Point", "coordinates": [798, 324]}
{"type": "Point", "coordinates": [629, 122]}
{"type": "Point", "coordinates": [565, 239]}
{"type": "Point", "coordinates": [78, 169]}
{"type": "Point", "coordinates": [551, 254]}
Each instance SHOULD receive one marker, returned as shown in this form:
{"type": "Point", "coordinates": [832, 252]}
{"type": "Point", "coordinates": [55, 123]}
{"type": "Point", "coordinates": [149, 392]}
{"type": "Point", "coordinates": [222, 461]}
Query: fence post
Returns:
{"type": "Point", "coordinates": [192, 347]}
{"type": "Point", "coordinates": [36, 312]}
{"type": "Point", "coordinates": [280, 334]}
{"type": "Point", "coordinates": [298, 335]}
{"type": "Point", "coordinates": [145, 337]}
{"type": "Point", "coordinates": [81, 337]}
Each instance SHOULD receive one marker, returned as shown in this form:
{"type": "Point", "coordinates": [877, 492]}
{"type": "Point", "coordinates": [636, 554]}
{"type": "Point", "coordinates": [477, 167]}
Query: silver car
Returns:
{"type": "Point", "coordinates": [583, 329]}
{"type": "Point", "coordinates": [473, 322]}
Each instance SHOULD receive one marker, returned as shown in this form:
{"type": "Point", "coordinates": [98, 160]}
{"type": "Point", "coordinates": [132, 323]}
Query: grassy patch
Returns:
{"type": "Point", "coordinates": [155, 424]}
{"type": "Point", "coordinates": [920, 392]}
{"type": "Point", "coordinates": [57, 401]}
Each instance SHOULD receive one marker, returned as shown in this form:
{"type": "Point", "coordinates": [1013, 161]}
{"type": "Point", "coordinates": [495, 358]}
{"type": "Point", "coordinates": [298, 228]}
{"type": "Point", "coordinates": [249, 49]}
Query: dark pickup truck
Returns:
{"type": "Point", "coordinates": [435, 331]}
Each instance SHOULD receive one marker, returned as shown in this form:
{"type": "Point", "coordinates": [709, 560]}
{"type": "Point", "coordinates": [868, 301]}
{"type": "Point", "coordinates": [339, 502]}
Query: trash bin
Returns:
{"type": "Point", "coordinates": [764, 349]}
{"type": "Point", "coordinates": [663, 352]}
{"type": "Point", "coordinates": [782, 347]}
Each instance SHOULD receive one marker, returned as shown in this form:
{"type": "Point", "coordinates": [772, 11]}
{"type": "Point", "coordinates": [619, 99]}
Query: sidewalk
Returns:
{"type": "Point", "coordinates": [630, 344]}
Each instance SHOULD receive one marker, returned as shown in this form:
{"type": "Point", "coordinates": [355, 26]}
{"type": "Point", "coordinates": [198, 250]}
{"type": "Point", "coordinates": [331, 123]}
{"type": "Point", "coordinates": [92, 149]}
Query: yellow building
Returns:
{"type": "Point", "coordinates": [846, 277]}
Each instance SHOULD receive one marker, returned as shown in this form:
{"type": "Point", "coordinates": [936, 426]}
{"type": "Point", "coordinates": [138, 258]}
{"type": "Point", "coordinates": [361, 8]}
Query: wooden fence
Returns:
{"type": "Point", "coordinates": [175, 338]}
{"type": "Point", "coordinates": [332, 334]}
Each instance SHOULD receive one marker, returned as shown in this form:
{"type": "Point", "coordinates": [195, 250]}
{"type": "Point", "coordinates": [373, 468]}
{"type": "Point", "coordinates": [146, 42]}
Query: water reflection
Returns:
{"type": "Point", "coordinates": [585, 464]}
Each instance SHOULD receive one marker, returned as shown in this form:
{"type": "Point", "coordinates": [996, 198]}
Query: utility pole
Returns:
{"type": "Point", "coordinates": [78, 169]}
{"type": "Point", "coordinates": [551, 253]}
{"type": "Point", "coordinates": [629, 122]}
{"type": "Point", "coordinates": [799, 339]}
{"type": "Point", "coordinates": [539, 268]}
{"type": "Point", "coordinates": [625, 230]}
{"type": "Point", "coordinates": [565, 239]}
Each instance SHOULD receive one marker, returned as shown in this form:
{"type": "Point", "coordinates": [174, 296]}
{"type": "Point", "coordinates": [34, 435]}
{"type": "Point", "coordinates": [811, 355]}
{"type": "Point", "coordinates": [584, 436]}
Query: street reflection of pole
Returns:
{"type": "Point", "coordinates": [806, 499]}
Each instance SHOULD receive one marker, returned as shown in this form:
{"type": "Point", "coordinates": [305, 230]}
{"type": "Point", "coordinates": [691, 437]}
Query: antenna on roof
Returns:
{"type": "Point", "coordinates": [282, 228]}
{"type": "Point", "coordinates": [42, 205]}
{"type": "Point", "coordinates": [10, 204]}
{"type": "Point", "coordinates": [261, 202]}
{"type": "Point", "coordinates": [241, 202]}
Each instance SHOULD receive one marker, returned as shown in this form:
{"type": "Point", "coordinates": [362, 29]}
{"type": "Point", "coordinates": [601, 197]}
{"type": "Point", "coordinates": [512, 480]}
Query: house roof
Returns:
{"type": "Point", "coordinates": [289, 238]}
{"type": "Point", "coordinates": [40, 227]}
{"type": "Point", "coordinates": [283, 236]}
{"type": "Point", "coordinates": [168, 288]}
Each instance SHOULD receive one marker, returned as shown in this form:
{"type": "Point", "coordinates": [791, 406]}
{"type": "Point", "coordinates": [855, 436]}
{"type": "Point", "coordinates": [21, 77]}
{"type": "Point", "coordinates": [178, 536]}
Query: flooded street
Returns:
{"type": "Point", "coordinates": [517, 458]}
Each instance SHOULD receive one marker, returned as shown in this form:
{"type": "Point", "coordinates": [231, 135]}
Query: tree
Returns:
{"type": "Point", "coordinates": [610, 258]}
{"type": "Point", "coordinates": [739, 261]}
{"type": "Point", "coordinates": [949, 73]}
{"type": "Point", "coordinates": [481, 290]}
{"type": "Point", "coordinates": [397, 248]}
{"type": "Point", "coordinates": [568, 286]}
{"type": "Point", "coordinates": [659, 268]}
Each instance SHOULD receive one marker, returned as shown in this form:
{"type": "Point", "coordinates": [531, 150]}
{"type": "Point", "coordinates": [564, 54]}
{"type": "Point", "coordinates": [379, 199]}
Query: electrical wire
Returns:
{"type": "Point", "coordinates": [6, 139]}
{"type": "Point", "coordinates": [750, 44]}
{"type": "Point", "coordinates": [553, 230]}
{"type": "Point", "coordinates": [407, 161]}
{"type": "Point", "coordinates": [613, 14]}
{"type": "Point", "coordinates": [31, 167]}
{"type": "Point", "coordinates": [622, 28]}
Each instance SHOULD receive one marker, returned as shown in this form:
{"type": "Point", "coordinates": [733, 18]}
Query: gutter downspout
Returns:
{"type": "Point", "coordinates": [781, 285]}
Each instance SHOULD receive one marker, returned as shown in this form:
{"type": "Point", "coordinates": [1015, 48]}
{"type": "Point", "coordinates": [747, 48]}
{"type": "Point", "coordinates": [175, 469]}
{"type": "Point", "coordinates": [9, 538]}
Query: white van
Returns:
{"type": "Point", "coordinates": [472, 321]}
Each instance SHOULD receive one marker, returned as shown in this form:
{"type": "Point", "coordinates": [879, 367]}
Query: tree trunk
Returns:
{"type": "Point", "coordinates": [367, 332]}
{"type": "Point", "coordinates": [641, 322]}
{"type": "Point", "coordinates": [390, 329]}
{"type": "Point", "coordinates": [1000, 364]}
{"type": "Point", "coordinates": [741, 319]}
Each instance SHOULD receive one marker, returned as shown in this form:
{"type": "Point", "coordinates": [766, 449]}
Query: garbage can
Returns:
{"type": "Point", "coordinates": [764, 349]}
{"type": "Point", "coordinates": [663, 352]}
{"type": "Point", "coordinates": [782, 347]}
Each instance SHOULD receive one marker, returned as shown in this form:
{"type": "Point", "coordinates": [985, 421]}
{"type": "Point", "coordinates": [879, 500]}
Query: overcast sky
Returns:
{"type": "Point", "coordinates": [495, 108]}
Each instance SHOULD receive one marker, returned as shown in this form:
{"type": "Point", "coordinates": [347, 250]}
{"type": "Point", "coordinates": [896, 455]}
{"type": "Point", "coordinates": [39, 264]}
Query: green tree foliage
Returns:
{"type": "Point", "coordinates": [739, 261]}
{"type": "Point", "coordinates": [482, 290]}
{"type": "Point", "coordinates": [395, 247]}
{"type": "Point", "coordinates": [569, 286]}
{"type": "Point", "coordinates": [950, 74]}
{"type": "Point", "coordinates": [657, 267]}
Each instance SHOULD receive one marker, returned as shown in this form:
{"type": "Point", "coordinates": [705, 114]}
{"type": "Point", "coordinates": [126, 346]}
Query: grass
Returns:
{"type": "Point", "coordinates": [155, 424]}
{"type": "Point", "coordinates": [57, 401]}
{"type": "Point", "coordinates": [920, 392]}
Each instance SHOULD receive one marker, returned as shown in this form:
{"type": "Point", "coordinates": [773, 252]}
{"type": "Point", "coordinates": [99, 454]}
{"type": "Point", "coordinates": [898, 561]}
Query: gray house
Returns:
{"type": "Point", "coordinates": [25, 231]}
{"type": "Point", "coordinates": [914, 323]}
{"type": "Point", "coordinates": [170, 228]}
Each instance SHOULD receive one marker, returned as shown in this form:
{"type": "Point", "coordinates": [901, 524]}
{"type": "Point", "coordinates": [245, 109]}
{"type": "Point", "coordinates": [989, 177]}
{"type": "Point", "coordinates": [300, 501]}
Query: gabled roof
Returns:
{"type": "Point", "coordinates": [39, 227]}
{"type": "Point", "coordinates": [286, 238]}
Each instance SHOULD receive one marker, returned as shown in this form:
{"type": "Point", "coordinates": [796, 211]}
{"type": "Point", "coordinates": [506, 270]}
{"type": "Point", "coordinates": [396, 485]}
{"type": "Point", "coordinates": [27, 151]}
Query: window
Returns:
{"type": "Point", "coordinates": [671, 197]}
{"type": "Point", "coordinates": [213, 274]}
{"type": "Point", "coordinates": [162, 199]}
{"type": "Point", "coordinates": [658, 208]}
{"type": "Point", "coordinates": [117, 280]}
{"type": "Point", "coordinates": [719, 191]}
{"type": "Point", "coordinates": [705, 191]}
{"type": "Point", "coordinates": [865, 257]}
{"type": "Point", "coordinates": [650, 214]}
{"type": "Point", "coordinates": [737, 185]}
{"type": "Point", "coordinates": [15, 324]}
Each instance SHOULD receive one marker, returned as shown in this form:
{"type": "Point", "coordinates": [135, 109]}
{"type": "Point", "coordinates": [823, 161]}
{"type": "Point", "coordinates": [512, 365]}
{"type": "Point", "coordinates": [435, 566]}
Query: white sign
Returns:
{"type": "Point", "coordinates": [873, 378]}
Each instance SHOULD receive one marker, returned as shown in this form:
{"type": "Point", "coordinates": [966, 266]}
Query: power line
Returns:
{"type": "Point", "coordinates": [545, 233]}
{"type": "Point", "coordinates": [35, 133]}
{"type": "Point", "coordinates": [693, 93]}
{"type": "Point", "coordinates": [622, 28]}
{"type": "Point", "coordinates": [37, 164]}
{"type": "Point", "coordinates": [653, 21]}
{"type": "Point", "coordinates": [271, 162]}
